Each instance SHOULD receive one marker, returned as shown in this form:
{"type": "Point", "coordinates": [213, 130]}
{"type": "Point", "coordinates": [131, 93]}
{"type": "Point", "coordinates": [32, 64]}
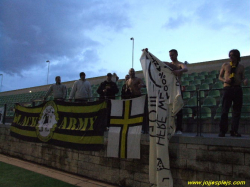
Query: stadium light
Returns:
{"type": "Point", "coordinates": [132, 51]}
{"type": "Point", "coordinates": [48, 71]}
{"type": "Point", "coordinates": [1, 82]}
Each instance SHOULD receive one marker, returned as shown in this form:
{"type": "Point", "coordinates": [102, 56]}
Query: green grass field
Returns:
{"type": "Point", "coordinates": [12, 176]}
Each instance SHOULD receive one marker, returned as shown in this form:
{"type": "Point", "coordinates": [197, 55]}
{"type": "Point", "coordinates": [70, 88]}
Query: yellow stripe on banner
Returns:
{"type": "Point", "coordinates": [81, 109]}
{"type": "Point", "coordinates": [125, 129]}
{"type": "Point", "coordinates": [79, 140]}
{"type": "Point", "coordinates": [23, 132]}
{"type": "Point", "coordinates": [28, 110]}
{"type": "Point", "coordinates": [63, 137]}
{"type": "Point", "coordinates": [129, 121]}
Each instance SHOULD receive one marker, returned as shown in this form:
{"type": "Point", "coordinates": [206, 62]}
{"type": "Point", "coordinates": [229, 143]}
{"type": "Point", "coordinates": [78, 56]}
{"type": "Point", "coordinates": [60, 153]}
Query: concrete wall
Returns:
{"type": "Point", "coordinates": [191, 158]}
{"type": "Point", "coordinates": [212, 126]}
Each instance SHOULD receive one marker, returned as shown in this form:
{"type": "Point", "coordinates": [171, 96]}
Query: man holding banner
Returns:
{"type": "Point", "coordinates": [178, 69]}
{"type": "Point", "coordinates": [165, 101]}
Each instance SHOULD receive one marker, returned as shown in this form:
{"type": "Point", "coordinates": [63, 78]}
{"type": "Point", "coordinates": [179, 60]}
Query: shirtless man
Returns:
{"type": "Point", "coordinates": [125, 93]}
{"type": "Point", "coordinates": [134, 84]}
{"type": "Point", "coordinates": [178, 69]}
{"type": "Point", "coordinates": [232, 75]}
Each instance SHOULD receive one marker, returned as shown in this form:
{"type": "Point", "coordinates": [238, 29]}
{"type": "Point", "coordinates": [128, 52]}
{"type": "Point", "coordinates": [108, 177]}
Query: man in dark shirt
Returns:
{"type": "Point", "coordinates": [108, 88]}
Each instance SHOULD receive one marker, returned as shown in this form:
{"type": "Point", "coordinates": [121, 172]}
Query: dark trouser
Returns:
{"type": "Point", "coordinates": [179, 121]}
{"type": "Point", "coordinates": [179, 118]}
{"type": "Point", "coordinates": [134, 96]}
{"type": "Point", "coordinates": [108, 112]}
{"type": "Point", "coordinates": [231, 95]}
{"type": "Point", "coordinates": [58, 99]}
{"type": "Point", "coordinates": [81, 100]}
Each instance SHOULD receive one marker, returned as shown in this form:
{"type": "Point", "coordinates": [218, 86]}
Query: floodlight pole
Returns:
{"type": "Point", "coordinates": [132, 52]}
{"type": "Point", "coordinates": [1, 82]}
{"type": "Point", "coordinates": [48, 71]}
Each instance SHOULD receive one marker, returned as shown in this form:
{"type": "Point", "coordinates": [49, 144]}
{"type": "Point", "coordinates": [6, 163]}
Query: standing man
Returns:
{"type": "Point", "coordinates": [179, 69]}
{"type": "Point", "coordinates": [81, 90]}
{"type": "Point", "coordinates": [59, 90]}
{"type": "Point", "coordinates": [115, 78]}
{"type": "Point", "coordinates": [108, 88]}
{"type": "Point", "coordinates": [134, 84]}
{"type": "Point", "coordinates": [232, 75]}
{"type": "Point", "coordinates": [125, 93]}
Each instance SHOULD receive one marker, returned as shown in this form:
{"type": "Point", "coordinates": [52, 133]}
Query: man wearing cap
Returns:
{"type": "Point", "coordinates": [108, 88]}
{"type": "Point", "coordinates": [81, 90]}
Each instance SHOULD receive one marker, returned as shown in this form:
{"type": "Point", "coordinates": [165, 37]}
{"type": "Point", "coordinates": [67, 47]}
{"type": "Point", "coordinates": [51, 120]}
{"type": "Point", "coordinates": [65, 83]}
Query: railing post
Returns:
{"type": "Point", "coordinates": [197, 112]}
{"type": "Point", "coordinates": [4, 114]}
{"type": "Point", "coordinates": [199, 104]}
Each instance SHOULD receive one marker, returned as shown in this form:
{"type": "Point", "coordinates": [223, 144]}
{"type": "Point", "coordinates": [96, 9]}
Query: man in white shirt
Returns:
{"type": "Point", "coordinates": [81, 90]}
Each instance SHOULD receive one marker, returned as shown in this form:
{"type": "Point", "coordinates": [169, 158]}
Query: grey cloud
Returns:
{"type": "Point", "coordinates": [34, 31]}
{"type": "Point", "coordinates": [223, 14]}
{"type": "Point", "coordinates": [70, 69]}
{"type": "Point", "coordinates": [215, 15]}
{"type": "Point", "coordinates": [174, 23]}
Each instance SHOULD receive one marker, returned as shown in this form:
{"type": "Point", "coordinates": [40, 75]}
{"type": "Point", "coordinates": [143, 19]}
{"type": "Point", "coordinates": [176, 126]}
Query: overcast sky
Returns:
{"type": "Point", "coordinates": [93, 36]}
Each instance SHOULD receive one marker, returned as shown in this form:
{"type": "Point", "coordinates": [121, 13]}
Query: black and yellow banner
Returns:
{"type": "Point", "coordinates": [73, 125]}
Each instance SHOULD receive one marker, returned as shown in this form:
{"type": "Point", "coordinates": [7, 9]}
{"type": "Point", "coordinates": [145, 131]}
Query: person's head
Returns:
{"type": "Point", "coordinates": [173, 53]}
{"type": "Point", "coordinates": [82, 76]}
{"type": "Point", "coordinates": [127, 77]}
{"type": "Point", "coordinates": [109, 77]}
{"type": "Point", "coordinates": [234, 55]}
{"type": "Point", "coordinates": [58, 79]}
{"type": "Point", "coordinates": [131, 72]}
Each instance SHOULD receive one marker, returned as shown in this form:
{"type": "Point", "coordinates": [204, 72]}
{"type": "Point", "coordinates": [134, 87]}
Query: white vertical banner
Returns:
{"type": "Point", "coordinates": [1, 114]}
{"type": "Point", "coordinates": [164, 102]}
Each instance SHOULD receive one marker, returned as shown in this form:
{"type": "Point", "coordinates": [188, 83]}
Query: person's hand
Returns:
{"type": "Point", "coordinates": [183, 88]}
{"type": "Point", "coordinates": [228, 81]}
{"type": "Point", "coordinates": [177, 72]}
{"type": "Point", "coordinates": [245, 82]}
